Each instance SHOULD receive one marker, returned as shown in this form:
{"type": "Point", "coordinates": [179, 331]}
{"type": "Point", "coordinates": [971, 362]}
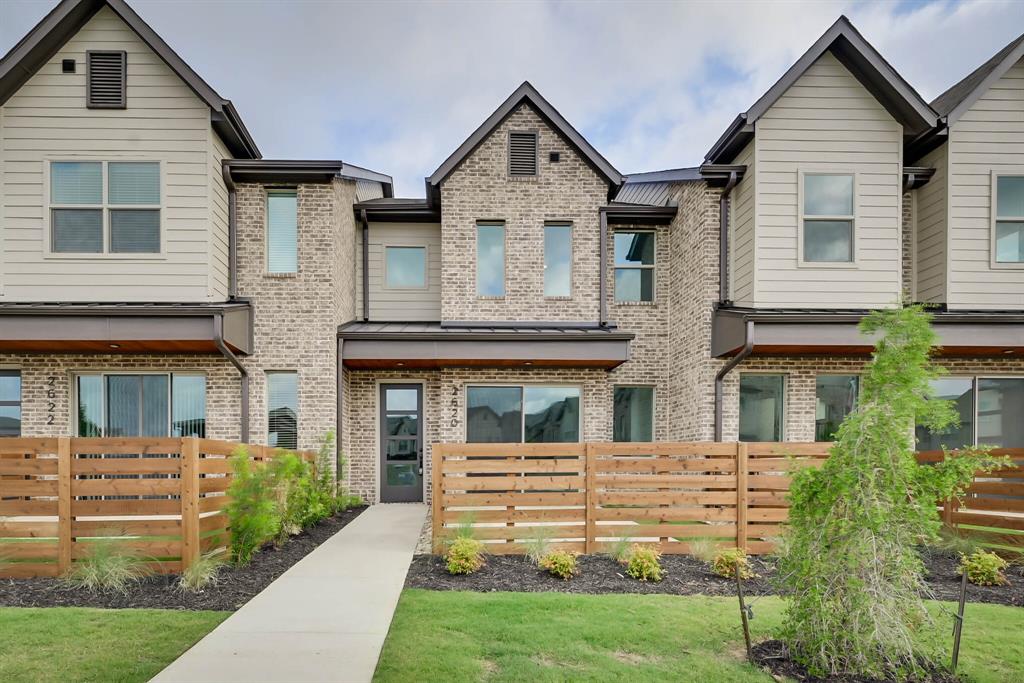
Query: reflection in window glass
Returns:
{"type": "Point", "coordinates": [959, 390]}
{"type": "Point", "coordinates": [633, 417]}
{"type": "Point", "coordinates": [188, 405]}
{"type": "Point", "coordinates": [283, 409]}
{"type": "Point", "coordinates": [557, 260]}
{"type": "Point", "coordinates": [828, 195]}
{"type": "Point", "coordinates": [10, 403]}
{"type": "Point", "coordinates": [405, 267]}
{"type": "Point", "coordinates": [762, 399]}
{"type": "Point", "coordinates": [828, 218]}
{"type": "Point", "coordinates": [1010, 219]}
{"type": "Point", "coordinates": [634, 266]}
{"type": "Point", "coordinates": [835, 398]}
{"type": "Point", "coordinates": [1001, 412]}
{"type": "Point", "coordinates": [494, 414]}
{"type": "Point", "coordinates": [90, 405]}
{"type": "Point", "coordinates": [76, 182]}
{"type": "Point", "coordinates": [490, 260]}
{"type": "Point", "coordinates": [552, 414]}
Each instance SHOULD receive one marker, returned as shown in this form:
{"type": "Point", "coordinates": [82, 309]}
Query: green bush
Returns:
{"type": "Point", "coordinates": [644, 563]}
{"type": "Point", "coordinates": [464, 555]}
{"type": "Point", "coordinates": [202, 573]}
{"type": "Point", "coordinates": [560, 563]}
{"type": "Point", "coordinates": [538, 544]}
{"type": "Point", "coordinates": [984, 568]}
{"type": "Point", "coordinates": [107, 566]}
{"type": "Point", "coordinates": [618, 549]}
{"type": "Point", "coordinates": [725, 563]}
{"type": "Point", "coordinates": [253, 513]}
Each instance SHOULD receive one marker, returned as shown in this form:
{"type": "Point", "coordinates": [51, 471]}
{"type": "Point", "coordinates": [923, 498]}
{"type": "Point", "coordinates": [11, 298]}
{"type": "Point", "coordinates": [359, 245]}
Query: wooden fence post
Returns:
{"type": "Point", "coordinates": [64, 499]}
{"type": "Point", "coordinates": [436, 495]}
{"type": "Point", "coordinates": [589, 469]}
{"type": "Point", "coordinates": [741, 495]}
{"type": "Point", "coordinates": [189, 502]}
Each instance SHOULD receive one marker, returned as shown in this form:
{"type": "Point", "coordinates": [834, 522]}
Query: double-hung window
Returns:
{"type": "Point", "coordinates": [282, 232]}
{"type": "Point", "coordinates": [634, 266]}
{"type": "Point", "coordinates": [527, 414]}
{"type": "Point", "coordinates": [827, 218]}
{"type": "Point", "coordinates": [99, 207]}
{"type": "Point", "coordinates": [558, 260]}
{"type": "Point", "coordinates": [1009, 219]}
{"type": "Point", "coordinates": [283, 409]}
{"type": "Point", "coordinates": [10, 403]}
{"type": "Point", "coordinates": [490, 259]}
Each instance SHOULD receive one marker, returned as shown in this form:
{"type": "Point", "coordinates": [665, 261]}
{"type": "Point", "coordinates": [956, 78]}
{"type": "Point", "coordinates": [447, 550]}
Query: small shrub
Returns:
{"type": "Point", "coordinates": [618, 549]}
{"type": "Point", "coordinates": [950, 540]}
{"type": "Point", "coordinates": [704, 549]}
{"type": "Point", "coordinates": [464, 555]}
{"type": "Point", "coordinates": [108, 566]}
{"type": "Point", "coordinates": [644, 563]}
{"type": "Point", "coordinates": [984, 568]}
{"type": "Point", "coordinates": [291, 482]}
{"type": "Point", "coordinates": [253, 514]}
{"type": "Point", "coordinates": [202, 573]}
{"type": "Point", "coordinates": [726, 562]}
{"type": "Point", "coordinates": [560, 563]}
{"type": "Point", "coordinates": [538, 545]}
{"type": "Point", "coordinates": [347, 501]}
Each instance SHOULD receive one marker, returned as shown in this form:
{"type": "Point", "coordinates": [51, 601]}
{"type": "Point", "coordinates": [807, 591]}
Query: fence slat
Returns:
{"type": "Point", "coordinates": [189, 502]}
{"type": "Point", "coordinates": [741, 496]}
{"type": "Point", "coordinates": [64, 518]}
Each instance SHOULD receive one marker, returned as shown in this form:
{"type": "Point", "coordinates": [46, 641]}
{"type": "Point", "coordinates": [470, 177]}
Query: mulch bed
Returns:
{"type": "Point", "coordinates": [685, 575]}
{"type": "Point", "coordinates": [774, 656]}
{"type": "Point", "coordinates": [237, 585]}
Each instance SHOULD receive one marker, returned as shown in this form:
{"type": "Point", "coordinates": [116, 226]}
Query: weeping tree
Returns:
{"type": "Point", "coordinates": [850, 563]}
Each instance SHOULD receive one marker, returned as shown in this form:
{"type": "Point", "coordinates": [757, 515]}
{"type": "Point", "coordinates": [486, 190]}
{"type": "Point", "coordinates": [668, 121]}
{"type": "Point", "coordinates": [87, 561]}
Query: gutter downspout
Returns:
{"type": "Point", "coordinates": [748, 346]}
{"type": "Point", "coordinates": [337, 416]}
{"type": "Point", "coordinates": [232, 231]}
{"type": "Point", "coordinates": [723, 238]}
{"type": "Point", "coordinates": [602, 285]}
{"type": "Point", "coordinates": [366, 265]}
{"type": "Point", "coordinates": [218, 339]}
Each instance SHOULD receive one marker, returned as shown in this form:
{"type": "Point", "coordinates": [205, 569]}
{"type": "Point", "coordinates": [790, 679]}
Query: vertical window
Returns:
{"type": "Point", "coordinates": [405, 267]}
{"type": "Point", "coordinates": [514, 414]}
{"type": "Point", "coordinates": [558, 260]}
{"type": "Point", "coordinates": [634, 266]}
{"type": "Point", "coordinates": [10, 403]}
{"type": "Point", "coordinates": [188, 405]}
{"type": "Point", "coordinates": [134, 199]}
{"type": "Point", "coordinates": [959, 390]}
{"type": "Point", "coordinates": [283, 409]}
{"type": "Point", "coordinates": [762, 407]}
{"type": "Point", "coordinates": [1009, 219]}
{"type": "Point", "coordinates": [633, 414]}
{"type": "Point", "coordinates": [828, 215]}
{"type": "Point", "coordinates": [490, 259]}
{"type": "Point", "coordinates": [154, 404]}
{"type": "Point", "coordinates": [282, 231]}
{"type": "Point", "coordinates": [835, 398]}
{"type": "Point", "coordinates": [76, 200]}
{"type": "Point", "coordinates": [1001, 412]}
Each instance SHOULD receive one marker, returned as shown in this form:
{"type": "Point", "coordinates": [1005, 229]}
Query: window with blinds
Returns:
{"type": "Point", "coordinates": [282, 232]}
{"type": "Point", "coordinates": [10, 403]}
{"type": "Point", "coordinates": [283, 409]}
{"type": "Point", "coordinates": [522, 154]}
{"type": "Point", "coordinates": [105, 77]}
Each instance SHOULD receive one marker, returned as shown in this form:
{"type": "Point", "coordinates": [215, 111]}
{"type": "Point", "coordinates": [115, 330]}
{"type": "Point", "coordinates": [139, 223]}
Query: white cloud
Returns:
{"type": "Point", "coordinates": [396, 86]}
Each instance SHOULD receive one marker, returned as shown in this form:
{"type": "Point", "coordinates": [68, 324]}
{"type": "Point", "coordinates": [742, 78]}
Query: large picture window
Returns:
{"type": "Point", "coordinates": [101, 207]}
{"type": "Point", "coordinates": [762, 407]}
{"type": "Point", "coordinates": [835, 397]}
{"type": "Point", "coordinates": [283, 409]}
{"type": "Point", "coordinates": [634, 266]}
{"type": "Point", "coordinates": [959, 390]}
{"type": "Point", "coordinates": [530, 414]}
{"type": "Point", "coordinates": [10, 403]}
{"type": "Point", "coordinates": [143, 404]}
{"type": "Point", "coordinates": [633, 414]}
{"type": "Point", "coordinates": [1009, 219]}
{"type": "Point", "coordinates": [828, 217]}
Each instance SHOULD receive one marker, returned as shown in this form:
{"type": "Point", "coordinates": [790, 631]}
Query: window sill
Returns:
{"type": "Point", "coordinates": [481, 297]}
{"type": "Point", "coordinates": [1007, 265]}
{"type": "Point", "coordinates": [829, 265]}
{"type": "Point", "coordinates": [523, 178]}
{"type": "Point", "coordinates": [558, 298]}
{"type": "Point", "coordinates": [57, 256]}
{"type": "Point", "coordinates": [281, 276]}
{"type": "Point", "coordinates": [636, 303]}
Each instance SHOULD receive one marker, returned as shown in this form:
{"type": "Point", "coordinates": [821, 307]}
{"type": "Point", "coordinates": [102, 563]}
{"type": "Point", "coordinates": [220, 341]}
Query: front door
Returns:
{"type": "Point", "coordinates": [401, 443]}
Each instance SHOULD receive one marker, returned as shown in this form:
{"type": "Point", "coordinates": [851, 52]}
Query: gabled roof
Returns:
{"type": "Point", "coordinates": [528, 94]}
{"type": "Point", "coordinates": [866, 65]}
{"type": "Point", "coordinates": [57, 27]}
{"type": "Point", "coordinates": [959, 98]}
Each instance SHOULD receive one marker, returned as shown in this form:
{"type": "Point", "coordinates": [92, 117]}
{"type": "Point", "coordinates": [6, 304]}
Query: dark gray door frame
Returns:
{"type": "Point", "coordinates": [413, 491]}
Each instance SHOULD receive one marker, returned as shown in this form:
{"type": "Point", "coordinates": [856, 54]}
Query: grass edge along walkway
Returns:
{"type": "Point", "coordinates": [459, 636]}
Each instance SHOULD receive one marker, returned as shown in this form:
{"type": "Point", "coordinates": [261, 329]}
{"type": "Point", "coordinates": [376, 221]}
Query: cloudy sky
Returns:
{"type": "Point", "coordinates": [396, 86]}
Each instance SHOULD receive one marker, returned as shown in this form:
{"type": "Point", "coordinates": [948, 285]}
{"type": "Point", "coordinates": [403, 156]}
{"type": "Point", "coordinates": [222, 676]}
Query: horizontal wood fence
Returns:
{"type": "Point", "coordinates": [586, 496]}
{"type": "Point", "coordinates": [160, 498]}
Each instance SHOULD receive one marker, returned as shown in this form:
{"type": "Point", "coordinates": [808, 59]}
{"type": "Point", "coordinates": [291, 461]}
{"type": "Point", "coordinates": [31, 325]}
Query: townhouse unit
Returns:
{"type": "Point", "coordinates": [159, 277]}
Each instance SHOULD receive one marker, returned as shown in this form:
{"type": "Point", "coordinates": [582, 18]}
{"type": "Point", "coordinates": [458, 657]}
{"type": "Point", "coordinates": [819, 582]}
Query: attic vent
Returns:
{"type": "Point", "coordinates": [105, 80]}
{"type": "Point", "coordinates": [522, 154]}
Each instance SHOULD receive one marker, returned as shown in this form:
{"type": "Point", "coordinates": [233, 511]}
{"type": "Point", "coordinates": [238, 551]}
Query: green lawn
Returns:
{"type": "Point", "coordinates": [75, 644]}
{"type": "Point", "coordinates": [457, 636]}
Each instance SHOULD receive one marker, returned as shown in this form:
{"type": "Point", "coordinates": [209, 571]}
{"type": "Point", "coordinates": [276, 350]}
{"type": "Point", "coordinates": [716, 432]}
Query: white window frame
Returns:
{"type": "Point", "coordinates": [802, 218]}
{"type": "Point", "coordinates": [1010, 171]}
{"type": "Point", "coordinates": [785, 400]}
{"type": "Point", "coordinates": [105, 209]}
{"type": "Point", "coordinates": [522, 416]}
{"type": "Point", "coordinates": [267, 192]}
{"type": "Point", "coordinates": [103, 374]}
{"type": "Point", "coordinates": [404, 245]}
{"type": "Point", "coordinates": [572, 255]}
{"type": "Point", "coordinates": [653, 267]}
{"type": "Point", "coordinates": [504, 258]}
{"type": "Point", "coordinates": [654, 406]}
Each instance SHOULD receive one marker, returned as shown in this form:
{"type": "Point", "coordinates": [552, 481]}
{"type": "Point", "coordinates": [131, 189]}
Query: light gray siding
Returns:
{"type": "Point", "coordinates": [400, 304]}
{"type": "Point", "coordinates": [828, 121]}
{"type": "Point", "coordinates": [988, 138]}
{"type": "Point", "coordinates": [930, 232]}
{"type": "Point", "coordinates": [742, 237]}
{"type": "Point", "coordinates": [47, 119]}
{"type": "Point", "coordinates": [219, 257]}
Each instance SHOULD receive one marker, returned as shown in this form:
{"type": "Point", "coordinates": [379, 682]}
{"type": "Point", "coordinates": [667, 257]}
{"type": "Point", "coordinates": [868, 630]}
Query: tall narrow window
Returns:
{"type": "Point", "coordinates": [558, 260]}
{"type": "Point", "coordinates": [490, 259]}
{"type": "Point", "coordinates": [634, 266]}
{"type": "Point", "coordinates": [283, 409]}
{"type": "Point", "coordinates": [405, 267]}
{"type": "Point", "coordinates": [282, 231]}
{"type": "Point", "coordinates": [1009, 219]}
{"type": "Point", "coordinates": [1000, 411]}
{"type": "Point", "coordinates": [10, 403]}
{"type": "Point", "coordinates": [959, 390]}
{"type": "Point", "coordinates": [835, 398]}
{"type": "Point", "coordinates": [762, 407]}
{"type": "Point", "coordinates": [828, 216]}
{"type": "Point", "coordinates": [633, 414]}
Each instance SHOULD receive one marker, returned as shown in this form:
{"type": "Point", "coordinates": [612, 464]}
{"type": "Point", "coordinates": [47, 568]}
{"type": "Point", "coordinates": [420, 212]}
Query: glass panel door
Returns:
{"type": "Point", "coordinates": [401, 443]}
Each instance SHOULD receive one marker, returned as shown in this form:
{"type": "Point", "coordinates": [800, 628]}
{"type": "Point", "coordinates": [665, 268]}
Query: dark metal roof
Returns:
{"type": "Point", "coordinates": [639, 214]}
{"type": "Point", "coordinates": [647, 194]}
{"type": "Point", "coordinates": [668, 175]}
{"type": "Point", "coordinates": [863, 61]}
{"type": "Point", "coordinates": [398, 210]}
{"type": "Point", "coordinates": [526, 93]}
{"type": "Point", "coordinates": [952, 103]}
{"type": "Point", "coordinates": [283, 170]}
{"type": "Point", "coordinates": [116, 308]}
{"type": "Point", "coordinates": [479, 331]}
{"type": "Point", "coordinates": [57, 27]}
{"type": "Point", "coordinates": [843, 314]}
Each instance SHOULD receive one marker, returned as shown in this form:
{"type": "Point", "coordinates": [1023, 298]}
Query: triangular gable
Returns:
{"type": "Point", "coordinates": [527, 93]}
{"type": "Point", "coordinates": [960, 97]}
{"type": "Point", "coordinates": [866, 65]}
{"type": "Point", "coordinates": [68, 17]}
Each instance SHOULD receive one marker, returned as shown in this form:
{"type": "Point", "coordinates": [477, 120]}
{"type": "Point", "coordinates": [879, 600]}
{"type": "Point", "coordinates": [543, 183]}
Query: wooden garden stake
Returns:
{"type": "Point", "coordinates": [743, 613]}
{"type": "Point", "coordinates": [958, 622]}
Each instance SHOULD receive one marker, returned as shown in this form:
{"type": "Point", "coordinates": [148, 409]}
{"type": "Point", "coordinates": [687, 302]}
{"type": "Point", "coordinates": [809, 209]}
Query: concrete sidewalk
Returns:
{"type": "Point", "coordinates": [325, 619]}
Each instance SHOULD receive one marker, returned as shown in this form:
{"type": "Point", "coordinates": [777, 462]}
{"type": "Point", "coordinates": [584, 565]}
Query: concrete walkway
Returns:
{"type": "Point", "coordinates": [325, 619]}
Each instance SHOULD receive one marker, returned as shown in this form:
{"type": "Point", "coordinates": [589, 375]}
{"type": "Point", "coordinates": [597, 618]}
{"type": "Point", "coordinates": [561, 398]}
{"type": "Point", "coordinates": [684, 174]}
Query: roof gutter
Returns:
{"type": "Point", "coordinates": [366, 264]}
{"type": "Point", "coordinates": [229, 183]}
{"type": "Point", "coordinates": [218, 340]}
{"type": "Point", "coordinates": [723, 237]}
{"type": "Point", "coordinates": [748, 347]}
